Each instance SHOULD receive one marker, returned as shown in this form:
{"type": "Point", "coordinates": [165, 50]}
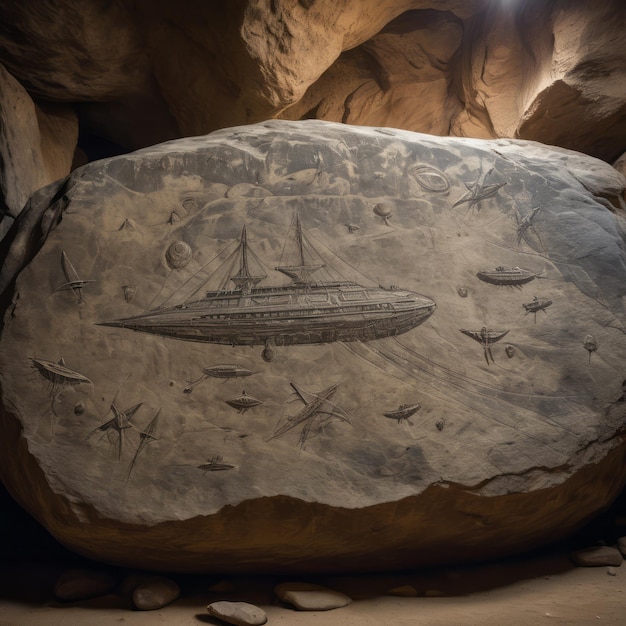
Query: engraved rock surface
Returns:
{"type": "Point", "coordinates": [350, 411]}
{"type": "Point", "coordinates": [80, 584]}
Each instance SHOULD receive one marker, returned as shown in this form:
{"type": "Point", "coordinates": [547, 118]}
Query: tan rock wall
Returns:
{"type": "Point", "coordinates": [37, 144]}
{"type": "Point", "coordinates": [151, 71]}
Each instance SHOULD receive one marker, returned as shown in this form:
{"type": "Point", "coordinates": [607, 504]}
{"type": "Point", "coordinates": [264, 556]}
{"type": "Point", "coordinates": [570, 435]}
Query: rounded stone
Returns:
{"type": "Point", "coordinates": [404, 591]}
{"type": "Point", "coordinates": [311, 597]}
{"type": "Point", "coordinates": [597, 556]}
{"type": "Point", "coordinates": [155, 593]}
{"type": "Point", "coordinates": [82, 584]}
{"type": "Point", "coordinates": [238, 613]}
{"type": "Point", "coordinates": [178, 255]}
{"type": "Point", "coordinates": [187, 477]}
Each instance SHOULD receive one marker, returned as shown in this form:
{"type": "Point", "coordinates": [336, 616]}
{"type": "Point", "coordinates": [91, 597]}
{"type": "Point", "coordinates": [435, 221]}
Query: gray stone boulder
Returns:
{"type": "Point", "coordinates": [597, 556]}
{"type": "Point", "coordinates": [311, 597]}
{"type": "Point", "coordinates": [434, 373]}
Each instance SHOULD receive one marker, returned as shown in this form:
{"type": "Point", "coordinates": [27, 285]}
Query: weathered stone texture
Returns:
{"type": "Point", "coordinates": [129, 449]}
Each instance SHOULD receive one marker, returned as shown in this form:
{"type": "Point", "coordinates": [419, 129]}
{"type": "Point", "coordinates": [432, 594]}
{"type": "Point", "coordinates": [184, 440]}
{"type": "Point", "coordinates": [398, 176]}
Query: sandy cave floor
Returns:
{"type": "Point", "coordinates": [543, 588]}
{"type": "Point", "coordinates": [540, 588]}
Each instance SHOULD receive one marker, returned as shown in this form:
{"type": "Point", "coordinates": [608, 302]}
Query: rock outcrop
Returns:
{"type": "Point", "coordinates": [435, 373]}
{"type": "Point", "coordinates": [143, 72]}
{"type": "Point", "coordinates": [36, 146]}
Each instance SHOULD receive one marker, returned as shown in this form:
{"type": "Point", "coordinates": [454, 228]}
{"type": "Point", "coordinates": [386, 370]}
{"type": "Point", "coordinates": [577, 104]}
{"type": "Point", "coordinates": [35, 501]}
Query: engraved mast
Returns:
{"type": "Point", "coordinates": [243, 279]}
{"type": "Point", "coordinates": [300, 272]}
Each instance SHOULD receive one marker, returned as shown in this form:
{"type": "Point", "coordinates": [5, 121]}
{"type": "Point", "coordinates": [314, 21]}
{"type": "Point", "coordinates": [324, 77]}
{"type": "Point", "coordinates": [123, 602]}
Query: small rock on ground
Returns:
{"type": "Point", "coordinates": [155, 593]}
{"type": "Point", "coordinates": [434, 593]}
{"type": "Point", "coordinates": [238, 613]}
{"type": "Point", "coordinates": [82, 584]}
{"type": "Point", "coordinates": [405, 591]}
{"type": "Point", "coordinates": [310, 597]}
{"type": "Point", "coordinates": [597, 556]}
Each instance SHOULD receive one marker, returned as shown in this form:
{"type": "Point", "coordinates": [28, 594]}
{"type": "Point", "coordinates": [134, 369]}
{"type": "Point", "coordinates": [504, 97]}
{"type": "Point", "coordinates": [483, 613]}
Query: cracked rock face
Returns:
{"type": "Point", "coordinates": [305, 346]}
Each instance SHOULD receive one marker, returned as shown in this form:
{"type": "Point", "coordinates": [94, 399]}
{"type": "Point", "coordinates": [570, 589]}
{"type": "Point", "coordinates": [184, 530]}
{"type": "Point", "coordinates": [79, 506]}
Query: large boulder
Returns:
{"type": "Point", "coordinates": [436, 373]}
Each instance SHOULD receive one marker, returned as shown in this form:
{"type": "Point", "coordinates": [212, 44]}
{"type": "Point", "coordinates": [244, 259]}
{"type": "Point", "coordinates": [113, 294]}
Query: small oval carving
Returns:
{"type": "Point", "coordinates": [430, 178]}
{"type": "Point", "coordinates": [178, 255]}
{"type": "Point", "coordinates": [129, 292]}
{"type": "Point", "coordinates": [268, 354]}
